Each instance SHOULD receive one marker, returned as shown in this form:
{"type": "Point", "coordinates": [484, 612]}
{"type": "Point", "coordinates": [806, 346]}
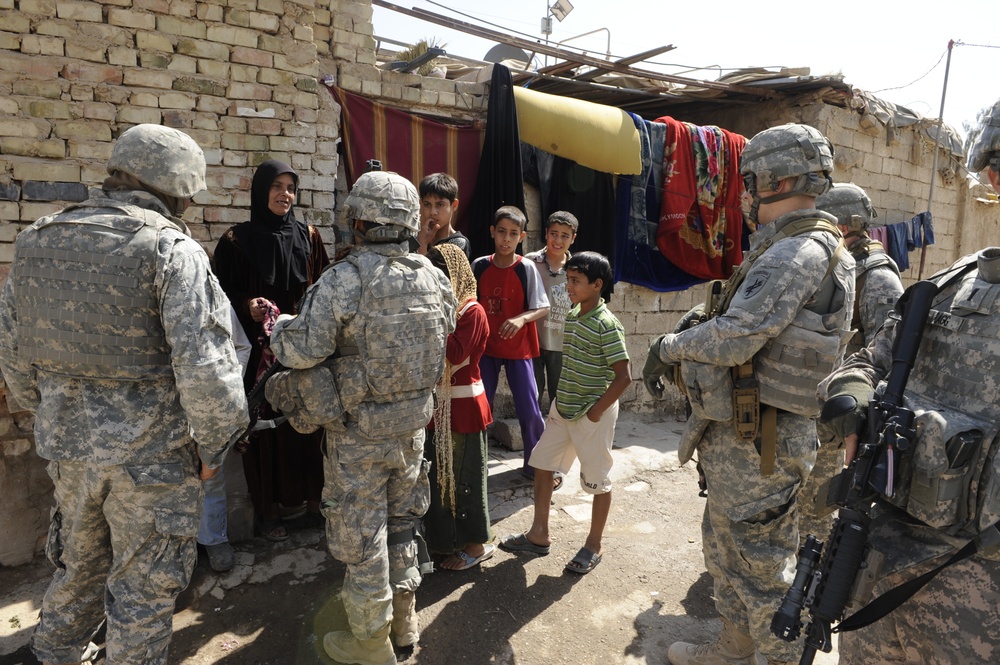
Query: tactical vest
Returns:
{"type": "Point", "coordinates": [950, 479]}
{"type": "Point", "coordinates": [870, 254]}
{"type": "Point", "coordinates": [787, 370]}
{"type": "Point", "coordinates": [387, 382]}
{"type": "Point", "coordinates": [85, 281]}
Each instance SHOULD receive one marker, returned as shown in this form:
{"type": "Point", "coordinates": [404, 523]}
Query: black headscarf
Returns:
{"type": "Point", "coordinates": [277, 246]}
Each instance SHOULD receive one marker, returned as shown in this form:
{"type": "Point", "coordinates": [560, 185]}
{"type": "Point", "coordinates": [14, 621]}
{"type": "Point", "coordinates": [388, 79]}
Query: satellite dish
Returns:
{"type": "Point", "coordinates": [501, 52]}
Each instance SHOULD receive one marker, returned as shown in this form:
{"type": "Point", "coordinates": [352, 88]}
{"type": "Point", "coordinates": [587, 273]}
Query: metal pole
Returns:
{"type": "Point", "coordinates": [937, 149]}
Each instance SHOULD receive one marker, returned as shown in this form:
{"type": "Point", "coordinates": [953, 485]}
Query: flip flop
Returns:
{"type": "Point", "coordinates": [557, 481]}
{"type": "Point", "coordinates": [272, 529]}
{"type": "Point", "coordinates": [469, 561]}
{"type": "Point", "coordinates": [584, 562]}
{"type": "Point", "coordinates": [519, 543]}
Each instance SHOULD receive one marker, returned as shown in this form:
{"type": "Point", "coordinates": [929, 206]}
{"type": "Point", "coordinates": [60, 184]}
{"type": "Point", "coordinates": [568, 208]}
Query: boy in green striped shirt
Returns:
{"type": "Point", "coordinates": [581, 421]}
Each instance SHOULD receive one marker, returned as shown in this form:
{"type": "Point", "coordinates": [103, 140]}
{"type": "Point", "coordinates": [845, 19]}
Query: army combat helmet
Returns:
{"type": "Point", "coordinates": [986, 150]}
{"type": "Point", "coordinates": [162, 158]}
{"type": "Point", "coordinates": [786, 151]}
{"type": "Point", "coordinates": [387, 203]}
{"type": "Point", "coordinates": [851, 206]}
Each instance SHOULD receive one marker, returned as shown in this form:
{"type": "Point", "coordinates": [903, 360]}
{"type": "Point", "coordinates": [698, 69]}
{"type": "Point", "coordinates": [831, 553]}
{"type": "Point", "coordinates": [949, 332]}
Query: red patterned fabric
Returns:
{"type": "Point", "coordinates": [701, 221]}
{"type": "Point", "coordinates": [410, 145]}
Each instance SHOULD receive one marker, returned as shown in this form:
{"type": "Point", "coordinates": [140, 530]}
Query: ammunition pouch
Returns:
{"type": "Point", "coordinates": [709, 388]}
{"type": "Point", "coordinates": [307, 397]}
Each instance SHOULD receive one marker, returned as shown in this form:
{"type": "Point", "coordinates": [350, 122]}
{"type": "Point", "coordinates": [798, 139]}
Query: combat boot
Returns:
{"type": "Point", "coordinates": [405, 628]}
{"type": "Point", "coordinates": [734, 647]}
{"type": "Point", "coordinates": [343, 647]}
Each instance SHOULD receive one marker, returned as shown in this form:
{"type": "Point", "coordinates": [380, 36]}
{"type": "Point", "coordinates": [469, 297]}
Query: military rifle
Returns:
{"type": "Point", "coordinates": [255, 401]}
{"type": "Point", "coordinates": [830, 576]}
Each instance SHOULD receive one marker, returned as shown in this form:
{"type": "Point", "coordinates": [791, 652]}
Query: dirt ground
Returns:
{"type": "Point", "coordinates": [649, 591]}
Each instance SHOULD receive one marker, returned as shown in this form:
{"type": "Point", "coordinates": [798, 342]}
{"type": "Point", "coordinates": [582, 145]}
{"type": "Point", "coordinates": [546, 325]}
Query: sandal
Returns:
{"type": "Point", "coordinates": [273, 529]}
{"type": "Point", "coordinates": [519, 542]}
{"type": "Point", "coordinates": [557, 481]}
{"type": "Point", "coordinates": [470, 561]}
{"type": "Point", "coordinates": [584, 562]}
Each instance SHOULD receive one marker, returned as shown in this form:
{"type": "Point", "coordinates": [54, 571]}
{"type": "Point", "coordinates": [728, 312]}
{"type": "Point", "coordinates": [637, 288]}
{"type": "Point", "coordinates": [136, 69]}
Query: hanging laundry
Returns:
{"type": "Point", "coordinates": [701, 220]}
{"type": "Point", "coordinates": [899, 244]}
{"type": "Point", "coordinates": [500, 165]}
{"type": "Point", "coordinates": [418, 146]}
{"type": "Point", "coordinates": [922, 229]}
{"type": "Point", "coordinates": [637, 211]}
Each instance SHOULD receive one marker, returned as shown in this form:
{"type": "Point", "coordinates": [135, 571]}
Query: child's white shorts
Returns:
{"type": "Point", "coordinates": [566, 440]}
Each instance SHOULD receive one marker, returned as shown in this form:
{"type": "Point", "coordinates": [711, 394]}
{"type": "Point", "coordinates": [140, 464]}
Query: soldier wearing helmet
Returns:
{"type": "Point", "coordinates": [944, 508]}
{"type": "Point", "coordinates": [750, 373]}
{"type": "Point", "coordinates": [368, 347]}
{"type": "Point", "coordinates": [114, 332]}
{"type": "Point", "coordinates": [876, 288]}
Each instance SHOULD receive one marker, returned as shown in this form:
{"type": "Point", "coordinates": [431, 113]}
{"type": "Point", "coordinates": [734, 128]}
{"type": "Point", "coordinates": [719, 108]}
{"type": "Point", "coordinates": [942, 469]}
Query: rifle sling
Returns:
{"type": "Point", "coordinates": [896, 596]}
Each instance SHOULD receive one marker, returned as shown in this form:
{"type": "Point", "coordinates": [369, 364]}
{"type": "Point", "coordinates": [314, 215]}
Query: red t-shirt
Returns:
{"type": "Point", "coordinates": [505, 293]}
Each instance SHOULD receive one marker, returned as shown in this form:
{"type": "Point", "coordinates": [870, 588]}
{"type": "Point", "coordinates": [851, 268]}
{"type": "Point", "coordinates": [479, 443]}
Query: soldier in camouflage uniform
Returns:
{"type": "Point", "coordinates": [876, 289]}
{"type": "Point", "coordinates": [368, 347]}
{"type": "Point", "coordinates": [954, 390]}
{"type": "Point", "coordinates": [116, 335]}
{"type": "Point", "coordinates": [750, 373]}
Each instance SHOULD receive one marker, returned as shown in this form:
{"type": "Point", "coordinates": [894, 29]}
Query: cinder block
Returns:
{"type": "Point", "coordinates": [143, 78]}
{"type": "Point", "coordinates": [177, 100]}
{"type": "Point", "coordinates": [182, 64]}
{"type": "Point", "coordinates": [23, 128]}
{"type": "Point", "coordinates": [243, 73]}
{"type": "Point", "coordinates": [238, 90]}
{"type": "Point", "coordinates": [154, 41]}
{"type": "Point", "coordinates": [9, 191]}
{"type": "Point", "coordinates": [53, 148]}
{"type": "Point", "coordinates": [87, 130]}
{"type": "Point", "coordinates": [39, 45]}
{"type": "Point", "coordinates": [232, 35]}
{"type": "Point", "coordinates": [79, 11]}
{"type": "Point", "coordinates": [92, 73]}
{"type": "Point", "coordinates": [130, 19]}
{"type": "Point", "coordinates": [219, 70]}
{"type": "Point", "coordinates": [92, 151]}
{"type": "Point", "coordinates": [203, 49]}
{"type": "Point", "coordinates": [53, 191]}
{"type": "Point", "coordinates": [122, 56]}
{"type": "Point", "coordinates": [182, 27]}
{"type": "Point", "coordinates": [293, 144]}
{"type": "Point", "coordinates": [199, 86]}
{"type": "Point", "coordinates": [138, 116]}
{"type": "Point", "coordinates": [252, 56]}
{"type": "Point", "coordinates": [268, 23]}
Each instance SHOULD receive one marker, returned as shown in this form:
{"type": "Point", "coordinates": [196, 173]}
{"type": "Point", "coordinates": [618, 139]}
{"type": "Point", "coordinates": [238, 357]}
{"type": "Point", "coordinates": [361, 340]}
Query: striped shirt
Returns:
{"type": "Point", "coordinates": [593, 343]}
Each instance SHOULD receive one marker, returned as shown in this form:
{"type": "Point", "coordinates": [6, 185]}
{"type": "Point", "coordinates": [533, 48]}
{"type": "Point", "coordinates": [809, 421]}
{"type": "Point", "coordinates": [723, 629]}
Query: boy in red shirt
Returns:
{"type": "Point", "coordinates": [512, 292]}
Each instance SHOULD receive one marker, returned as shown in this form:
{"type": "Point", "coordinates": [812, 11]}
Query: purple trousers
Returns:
{"type": "Point", "coordinates": [521, 379]}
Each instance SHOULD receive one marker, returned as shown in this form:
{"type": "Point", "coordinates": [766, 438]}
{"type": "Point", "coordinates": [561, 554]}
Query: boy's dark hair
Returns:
{"type": "Point", "coordinates": [513, 213]}
{"type": "Point", "coordinates": [593, 265]}
{"type": "Point", "coordinates": [563, 217]}
{"type": "Point", "coordinates": [439, 184]}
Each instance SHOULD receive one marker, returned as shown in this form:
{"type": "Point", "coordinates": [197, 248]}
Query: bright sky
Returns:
{"type": "Point", "coordinates": [890, 48]}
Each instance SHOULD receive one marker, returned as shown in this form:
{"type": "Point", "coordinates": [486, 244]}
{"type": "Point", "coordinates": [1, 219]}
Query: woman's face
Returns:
{"type": "Point", "coordinates": [282, 194]}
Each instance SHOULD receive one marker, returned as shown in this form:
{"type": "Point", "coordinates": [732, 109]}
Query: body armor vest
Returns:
{"type": "Point", "coordinates": [789, 367]}
{"type": "Point", "coordinates": [86, 292]}
{"type": "Point", "coordinates": [386, 381]}
{"type": "Point", "coordinates": [951, 478]}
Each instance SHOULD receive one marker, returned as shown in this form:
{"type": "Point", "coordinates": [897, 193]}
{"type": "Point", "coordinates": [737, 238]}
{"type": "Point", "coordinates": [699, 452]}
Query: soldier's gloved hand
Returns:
{"type": "Point", "coordinates": [846, 409]}
{"type": "Point", "coordinates": [693, 317]}
{"type": "Point", "coordinates": [654, 369]}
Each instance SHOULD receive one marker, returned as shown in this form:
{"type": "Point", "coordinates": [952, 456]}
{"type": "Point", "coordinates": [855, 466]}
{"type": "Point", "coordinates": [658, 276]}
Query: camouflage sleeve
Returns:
{"type": "Point", "coordinates": [196, 319]}
{"type": "Point", "coordinates": [305, 340]}
{"type": "Point", "coordinates": [781, 283]}
{"type": "Point", "coordinates": [17, 373]}
{"type": "Point", "coordinates": [876, 299]}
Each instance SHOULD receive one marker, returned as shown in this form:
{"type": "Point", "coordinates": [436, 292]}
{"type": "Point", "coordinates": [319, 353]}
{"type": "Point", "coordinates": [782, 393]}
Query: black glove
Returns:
{"type": "Point", "coordinates": [654, 369]}
{"type": "Point", "coordinates": [846, 409]}
{"type": "Point", "coordinates": [693, 317]}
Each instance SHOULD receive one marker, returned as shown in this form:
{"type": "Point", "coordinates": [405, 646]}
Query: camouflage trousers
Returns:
{"type": "Point", "coordinates": [122, 540]}
{"type": "Point", "coordinates": [954, 619]}
{"type": "Point", "coordinates": [750, 527]}
{"type": "Point", "coordinates": [374, 490]}
{"type": "Point", "coordinates": [814, 518]}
